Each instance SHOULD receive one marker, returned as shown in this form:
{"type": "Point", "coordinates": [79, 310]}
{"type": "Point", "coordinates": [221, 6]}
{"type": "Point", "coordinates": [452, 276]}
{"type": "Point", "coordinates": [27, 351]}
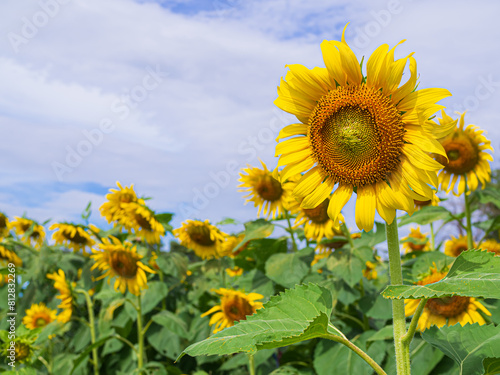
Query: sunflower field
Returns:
{"type": "Point", "coordinates": [301, 289]}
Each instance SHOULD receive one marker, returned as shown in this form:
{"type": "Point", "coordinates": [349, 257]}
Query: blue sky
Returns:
{"type": "Point", "coordinates": [177, 96]}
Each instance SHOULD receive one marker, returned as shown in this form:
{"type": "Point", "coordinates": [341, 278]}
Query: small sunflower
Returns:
{"type": "Point", "coordinates": [235, 271]}
{"type": "Point", "coordinates": [265, 191]}
{"type": "Point", "coordinates": [234, 306]}
{"type": "Point", "coordinates": [114, 207]}
{"type": "Point", "coordinates": [4, 225]}
{"type": "Point", "coordinates": [122, 261]}
{"type": "Point", "coordinates": [203, 238]}
{"type": "Point", "coordinates": [24, 349]}
{"type": "Point", "coordinates": [39, 315]}
{"type": "Point", "coordinates": [8, 256]}
{"type": "Point", "coordinates": [446, 310]}
{"type": "Point", "coordinates": [31, 232]}
{"type": "Point", "coordinates": [416, 241]}
{"type": "Point", "coordinates": [141, 220]}
{"type": "Point", "coordinates": [370, 272]}
{"type": "Point", "coordinates": [430, 202]}
{"type": "Point", "coordinates": [73, 236]}
{"type": "Point", "coordinates": [491, 246]}
{"type": "Point", "coordinates": [367, 135]}
{"type": "Point", "coordinates": [65, 295]}
{"type": "Point", "coordinates": [467, 159]}
{"type": "Point", "coordinates": [454, 246]}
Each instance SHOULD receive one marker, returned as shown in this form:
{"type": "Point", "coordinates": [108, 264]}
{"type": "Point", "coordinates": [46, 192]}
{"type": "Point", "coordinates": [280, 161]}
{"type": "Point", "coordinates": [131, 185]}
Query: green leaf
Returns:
{"type": "Point", "coordinates": [491, 366]}
{"type": "Point", "coordinates": [286, 269]}
{"type": "Point", "coordinates": [260, 228]}
{"type": "Point", "coordinates": [467, 345]}
{"type": "Point", "coordinates": [427, 215]}
{"type": "Point", "coordinates": [345, 266]}
{"type": "Point", "coordinates": [172, 322]}
{"type": "Point", "coordinates": [87, 351]}
{"type": "Point", "coordinates": [474, 273]}
{"type": "Point", "coordinates": [427, 260]}
{"type": "Point", "coordinates": [293, 316]}
{"type": "Point", "coordinates": [489, 225]}
{"type": "Point", "coordinates": [489, 195]}
{"type": "Point", "coordinates": [156, 292]}
{"type": "Point", "coordinates": [371, 238]}
{"type": "Point", "coordinates": [227, 221]}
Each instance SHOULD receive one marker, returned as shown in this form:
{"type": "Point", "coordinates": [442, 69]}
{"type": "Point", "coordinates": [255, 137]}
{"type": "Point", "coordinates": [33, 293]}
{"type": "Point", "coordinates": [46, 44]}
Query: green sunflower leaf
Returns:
{"type": "Point", "coordinates": [468, 346]}
{"type": "Point", "coordinates": [426, 215]}
{"type": "Point", "coordinates": [474, 273]}
{"type": "Point", "coordinates": [296, 315]}
{"type": "Point", "coordinates": [256, 229]}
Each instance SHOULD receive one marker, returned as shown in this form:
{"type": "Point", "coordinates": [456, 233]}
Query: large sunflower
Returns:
{"type": "Point", "coordinates": [265, 191]}
{"type": "Point", "coordinates": [39, 315]}
{"type": "Point", "coordinates": [206, 240]}
{"type": "Point", "coordinates": [114, 207]}
{"type": "Point", "coordinates": [30, 231]}
{"type": "Point", "coordinates": [454, 246]}
{"type": "Point", "coordinates": [446, 310]}
{"type": "Point", "coordinates": [234, 306]}
{"type": "Point", "coordinates": [122, 261]}
{"type": "Point", "coordinates": [73, 236]}
{"type": "Point", "coordinates": [364, 134]}
{"type": "Point", "coordinates": [65, 295]}
{"type": "Point", "coordinates": [140, 218]}
{"type": "Point", "coordinates": [467, 158]}
{"type": "Point", "coordinates": [416, 241]}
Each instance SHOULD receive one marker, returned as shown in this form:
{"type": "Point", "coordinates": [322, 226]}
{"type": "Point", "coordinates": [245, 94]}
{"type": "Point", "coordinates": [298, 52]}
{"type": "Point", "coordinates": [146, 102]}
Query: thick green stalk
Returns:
{"type": "Point", "coordinates": [251, 364]}
{"type": "Point", "coordinates": [290, 229]}
{"type": "Point", "coordinates": [470, 242]}
{"type": "Point", "coordinates": [398, 306]}
{"type": "Point", "coordinates": [140, 335]}
{"type": "Point", "coordinates": [90, 308]}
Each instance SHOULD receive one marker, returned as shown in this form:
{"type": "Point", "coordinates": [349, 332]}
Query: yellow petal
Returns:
{"type": "Point", "coordinates": [291, 145]}
{"type": "Point", "coordinates": [365, 207]}
{"type": "Point", "coordinates": [308, 182]}
{"type": "Point", "coordinates": [291, 130]}
{"type": "Point", "coordinates": [338, 200]}
{"type": "Point", "coordinates": [315, 198]}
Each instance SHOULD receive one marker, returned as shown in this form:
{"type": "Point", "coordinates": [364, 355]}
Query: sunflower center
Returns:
{"type": "Point", "coordinates": [459, 249]}
{"type": "Point", "coordinates": [356, 134]}
{"type": "Point", "coordinates": [124, 264]}
{"type": "Point", "coordinates": [25, 226]}
{"type": "Point", "coordinates": [200, 235]}
{"type": "Point", "coordinates": [237, 308]}
{"type": "Point", "coordinates": [269, 189]}
{"type": "Point", "coordinates": [143, 222]}
{"type": "Point", "coordinates": [41, 322]}
{"type": "Point", "coordinates": [448, 306]}
{"type": "Point", "coordinates": [126, 198]}
{"type": "Point", "coordinates": [463, 154]}
{"type": "Point", "coordinates": [318, 215]}
{"type": "Point", "coordinates": [76, 238]}
{"type": "Point", "coordinates": [3, 221]}
{"type": "Point", "coordinates": [22, 351]}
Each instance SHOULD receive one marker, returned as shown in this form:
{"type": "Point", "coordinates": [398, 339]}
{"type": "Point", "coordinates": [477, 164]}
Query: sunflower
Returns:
{"type": "Point", "coordinates": [73, 236]}
{"type": "Point", "coordinates": [454, 246]}
{"type": "Point", "coordinates": [140, 218]}
{"type": "Point", "coordinates": [234, 306]}
{"type": "Point", "coordinates": [370, 272]}
{"type": "Point", "coordinates": [265, 191]}
{"type": "Point", "coordinates": [230, 244]}
{"type": "Point", "coordinates": [4, 225]}
{"type": "Point", "coordinates": [430, 202]}
{"type": "Point", "coordinates": [362, 134]}
{"type": "Point", "coordinates": [446, 310]}
{"type": "Point", "coordinates": [8, 256]}
{"type": "Point", "coordinates": [235, 271]}
{"type": "Point", "coordinates": [415, 241]}
{"type": "Point", "coordinates": [38, 315]}
{"type": "Point", "coordinates": [65, 295]}
{"type": "Point", "coordinates": [467, 159]}
{"type": "Point", "coordinates": [491, 246]}
{"type": "Point", "coordinates": [121, 260]}
{"type": "Point", "coordinates": [114, 207]}
{"type": "Point", "coordinates": [203, 238]}
{"type": "Point", "coordinates": [23, 352]}
{"type": "Point", "coordinates": [32, 233]}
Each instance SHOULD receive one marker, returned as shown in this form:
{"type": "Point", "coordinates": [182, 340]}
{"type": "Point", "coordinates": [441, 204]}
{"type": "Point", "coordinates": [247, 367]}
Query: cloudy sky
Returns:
{"type": "Point", "coordinates": [176, 96]}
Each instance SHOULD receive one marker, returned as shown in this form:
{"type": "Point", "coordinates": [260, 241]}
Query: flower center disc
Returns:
{"type": "Point", "coordinates": [356, 134]}
{"type": "Point", "coordinates": [124, 264]}
{"type": "Point", "coordinates": [22, 351]}
{"type": "Point", "coordinates": [41, 322]}
{"type": "Point", "coordinates": [200, 235]}
{"type": "Point", "coordinates": [269, 189]}
{"type": "Point", "coordinates": [449, 306]}
{"type": "Point", "coordinates": [237, 308]}
{"type": "Point", "coordinates": [143, 222]}
{"type": "Point", "coordinates": [77, 238]}
{"type": "Point", "coordinates": [463, 154]}
{"type": "Point", "coordinates": [318, 215]}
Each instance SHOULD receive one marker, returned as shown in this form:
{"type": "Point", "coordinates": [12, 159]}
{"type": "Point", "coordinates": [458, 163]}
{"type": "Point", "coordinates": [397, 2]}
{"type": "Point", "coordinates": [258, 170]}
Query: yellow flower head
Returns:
{"type": "Point", "coordinates": [203, 238]}
{"type": "Point", "coordinates": [234, 306]}
{"type": "Point", "coordinates": [141, 220]}
{"type": "Point", "coordinates": [122, 261]}
{"type": "Point", "coordinates": [230, 244]}
{"type": "Point", "coordinates": [467, 158]}
{"type": "Point", "coordinates": [113, 208]}
{"type": "Point", "coordinates": [73, 236]}
{"type": "Point", "coordinates": [24, 349]}
{"type": "Point", "coordinates": [491, 246]}
{"type": "Point", "coordinates": [416, 241]}
{"type": "Point", "coordinates": [8, 256]}
{"type": "Point", "coordinates": [32, 233]}
{"type": "Point", "coordinates": [370, 272]}
{"type": "Point", "coordinates": [236, 271]}
{"type": "Point", "coordinates": [39, 315]}
{"type": "Point", "coordinates": [454, 246]}
{"type": "Point", "coordinates": [4, 225]}
{"type": "Point", "coordinates": [368, 135]}
{"type": "Point", "coordinates": [446, 310]}
{"type": "Point", "coordinates": [265, 191]}
{"type": "Point", "coordinates": [65, 295]}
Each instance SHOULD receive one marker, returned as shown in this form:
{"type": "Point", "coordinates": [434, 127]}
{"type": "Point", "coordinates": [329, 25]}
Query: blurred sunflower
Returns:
{"type": "Point", "coordinates": [370, 272]}
{"type": "Point", "coordinates": [446, 310]}
{"type": "Point", "coordinates": [234, 306]}
{"type": "Point", "coordinates": [8, 256]}
{"type": "Point", "coordinates": [430, 202]}
{"type": "Point", "coordinates": [73, 236]}
{"type": "Point", "coordinates": [467, 158]}
{"type": "Point", "coordinates": [39, 315]}
{"type": "Point", "coordinates": [140, 218]}
{"type": "Point", "coordinates": [454, 246]}
{"type": "Point", "coordinates": [491, 245]}
{"type": "Point", "coordinates": [203, 238]}
{"type": "Point", "coordinates": [265, 191]}
{"type": "Point", "coordinates": [4, 225]}
{"type": "Point", "coordinates": [114, 207]}
{"type": "Point", "coordinates": [415, 241]}
{"type": "Point", "coordinates": [30, 231]}
{"type": "Point", "coordinates": [365, 135]}
{"type": "Point", "coordinates": [235, 271]}
{"type": "Point", "coordinates": [122, 261]}
{"type": "Point", "coordinates": [230, 244]}
{"type": "Point", "coordinates": [65, 295]}
{"type": "Point", "coordinates": [24, 349]}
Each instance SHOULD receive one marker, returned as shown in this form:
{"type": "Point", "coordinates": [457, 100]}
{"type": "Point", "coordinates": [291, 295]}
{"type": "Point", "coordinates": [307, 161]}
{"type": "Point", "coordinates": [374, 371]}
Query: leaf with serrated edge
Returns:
{"type": "Point", "coordinates": [474, 273]}
{"type": "Point", "coordinates": [468, 345]}
{"type": "Point", "coordinates": [293, 316]}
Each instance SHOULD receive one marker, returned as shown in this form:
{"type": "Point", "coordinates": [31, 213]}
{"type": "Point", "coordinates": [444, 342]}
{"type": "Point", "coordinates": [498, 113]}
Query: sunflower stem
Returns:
{"type": "Point", "coordinates": [414, 321]}
{"type": "Point", "coordinates": [162, 277]}
{"type": "Point", "coordinates": [140, 335]}
{"type": "Point", "coordinates": [398, 306]}
{"type": "Point", "coordinates": [470, 242]}
{"type": "Point", "coordinates": [251, 364]}
{"type": "Point", "coordinates": [90, 308]}
{"type": "Point", "coordinates": [346, 232]}
{"type": "Point", "coordinates": [433, 238]}
{"type": "Point", "coordinates": [290, 230]}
